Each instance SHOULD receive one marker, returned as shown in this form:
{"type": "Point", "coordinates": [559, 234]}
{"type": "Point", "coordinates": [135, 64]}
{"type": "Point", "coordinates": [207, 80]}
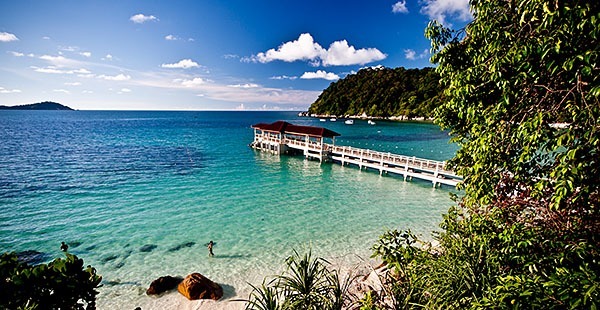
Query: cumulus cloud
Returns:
{"type": "Point", "coordinates": [141, 18]}
{"type": "Point", "coordinates": [72, 83]}
{"type": "Point", "coordinates": [399, 7]}
{"type": "Point", "coordinates": [440, 10]}
{"type": "Point", "coordinates": [182, 64]}
{"type": "Point", "coordinates": [193, 82]}
{"type": "Point", "coordinates": [118, 77]}
{"type": "Point", "coordinates": [62, 91]}
{"type": "Point", "coordinates": [412, 54]}
{"type": "Point", "coordinates": [8, 37]}
{"type": "Point", "coordinates": [306, 49]}
{"type": "Point", "coordinates": [125, 90]}
{"type": "Point", "coordinates": [171, 38]}
{"type": "Point", "coordinates": [9, 91]}
{"type": "Point", "coordinates": [17, 54]}
{"type": "Point", "coordinates": [320, 74]}
{"type": "Point", "coordinates": [86, 54]}
{"type": "Point", "coordinates": [108, 57]}
{"type": "Point", "coordinates": [340, 54]}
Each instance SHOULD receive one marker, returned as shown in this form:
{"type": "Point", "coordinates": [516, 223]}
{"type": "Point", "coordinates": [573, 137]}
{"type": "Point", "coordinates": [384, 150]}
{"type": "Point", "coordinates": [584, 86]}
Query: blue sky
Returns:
{"type": "Point", "coordinates": [205, 55]}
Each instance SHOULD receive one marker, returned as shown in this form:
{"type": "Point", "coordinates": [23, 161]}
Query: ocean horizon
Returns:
{"type": "Point", "coordinates": [138, 194]}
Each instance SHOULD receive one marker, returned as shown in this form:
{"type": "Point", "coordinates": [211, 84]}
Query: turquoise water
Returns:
{"type": "Point", "coordinates": [138, 194]}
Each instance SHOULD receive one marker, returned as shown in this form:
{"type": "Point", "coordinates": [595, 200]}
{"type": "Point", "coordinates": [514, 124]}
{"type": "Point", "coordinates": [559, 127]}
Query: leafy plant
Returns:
{"type": "Point", "coordinates": [307, 284]}
{"type": "Point", "coordinates": [60, 284]}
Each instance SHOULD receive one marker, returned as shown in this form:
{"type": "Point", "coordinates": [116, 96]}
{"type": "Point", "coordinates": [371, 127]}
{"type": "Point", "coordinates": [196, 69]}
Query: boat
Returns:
{"type": "Point", "coordinates": [349, 122]}
{"type": "Point", "coordinates": [333, 119]}
{"type": "Point", "coordinates": [370, 122]}
{"type": "Point", "coordinates": [322, 120]}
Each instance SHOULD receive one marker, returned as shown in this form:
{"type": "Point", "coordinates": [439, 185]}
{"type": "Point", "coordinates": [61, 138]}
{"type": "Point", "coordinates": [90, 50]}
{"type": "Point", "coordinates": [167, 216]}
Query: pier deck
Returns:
{"type": "Point", "coordinates": [313, 146]}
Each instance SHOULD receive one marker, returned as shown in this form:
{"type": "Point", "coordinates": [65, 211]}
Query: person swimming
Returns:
{"type": "Point", "coordinates": [210, 247]}
{"type": "Point", "coordinates": [63, 246]}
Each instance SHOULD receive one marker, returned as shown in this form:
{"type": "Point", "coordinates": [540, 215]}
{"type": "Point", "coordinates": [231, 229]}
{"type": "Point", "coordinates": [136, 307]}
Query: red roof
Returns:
{"type": "Point", "coordinates": [285, 127]}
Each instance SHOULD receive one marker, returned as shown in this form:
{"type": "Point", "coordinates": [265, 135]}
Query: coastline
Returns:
{"type": "Point", "coordinates": [401, 118]}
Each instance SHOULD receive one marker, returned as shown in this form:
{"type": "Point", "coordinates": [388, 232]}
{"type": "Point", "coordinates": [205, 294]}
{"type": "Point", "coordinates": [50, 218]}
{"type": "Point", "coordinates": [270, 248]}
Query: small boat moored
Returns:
{"type": "Point", "coordinates": [349, 122]}
{"type": "Point", "coordinates": [370, 122]}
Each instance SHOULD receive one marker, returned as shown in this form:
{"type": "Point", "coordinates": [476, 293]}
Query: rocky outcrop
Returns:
{"type": "Point", "coordinates": [163, 284]}
{"type": "Point", "coordinates": [196, 286]}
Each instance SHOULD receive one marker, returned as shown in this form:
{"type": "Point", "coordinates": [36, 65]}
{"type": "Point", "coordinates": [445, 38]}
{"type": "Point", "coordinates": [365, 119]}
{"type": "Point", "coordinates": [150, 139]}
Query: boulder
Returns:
{"type": "Point", "coordinates": [163, 284]}
{"type": "Point", "coordinates": [196, 286]}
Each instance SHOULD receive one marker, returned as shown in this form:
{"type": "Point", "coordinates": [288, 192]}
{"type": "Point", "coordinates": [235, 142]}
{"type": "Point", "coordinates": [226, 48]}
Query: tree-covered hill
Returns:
{"type": "Point", "coordinates": [46, 105]}
{"type": "Point", "coordinates": [382, 92]}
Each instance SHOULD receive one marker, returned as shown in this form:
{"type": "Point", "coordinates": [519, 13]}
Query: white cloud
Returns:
{"type": "Point", "coordinates": [442, 9]}
{"type": "Point", "coordinates": [399, 7]}
{"type": "Point", "coordinates": [247, 85]}
{"type": "Point", "coordinates": [87, 92]}
{"type": "Point", "coordinates": [61, 91]}
{"type": "Point", "coordinates": [46, 37]}
{"type": "Point", "coordinates": [340, 54]}
{"type": "Point", "coordinates": [124, 90]}
{"type": "Point", "coordinates": [86, 54]}
{"type": "Point", "coordinates": [9, 91]}
{"type": "Point", "coordinates": [320, 74]}
{"type": "Point", "coordinates": [182, 64]}
{"type": "Point", "coordinates": [412, 55]}
{"type": "Point", "coordinates": [193, 82]}
{"type": "Point", "coordinates": [171, 38]}
{"type": "Point", "coordinates": [108, 57]}
{"type": "Point", "coordinates": [283, 77]}
{"type": "Point", "coordinates": [17, 54]}
{"type": "Point", "coordinates": [56, 70]}
{"type": "Point", "coordinates": [141, 18]}
{"type": "Point", "coordinates": [230, 56]}
{"type": "Point", "coordinates": [305, 48]}
{"type": "Point", "coordinates": [72, 83]}
{"type": "Point", "coordinates": [119, 77]}
{"type": "Point", "coordinates": [8, 37]}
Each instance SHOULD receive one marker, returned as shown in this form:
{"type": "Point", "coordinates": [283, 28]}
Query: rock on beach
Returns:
{"type": "Point", "coordinates": [196, 286]}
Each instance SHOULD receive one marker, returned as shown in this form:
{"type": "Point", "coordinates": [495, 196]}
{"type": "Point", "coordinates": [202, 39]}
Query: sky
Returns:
{"type": "Point", "coordinates": [205, 54]}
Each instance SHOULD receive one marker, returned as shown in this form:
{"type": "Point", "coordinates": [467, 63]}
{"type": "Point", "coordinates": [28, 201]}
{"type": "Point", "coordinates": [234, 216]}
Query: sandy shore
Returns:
{"type": "Point", "coordinates": [357, 267]}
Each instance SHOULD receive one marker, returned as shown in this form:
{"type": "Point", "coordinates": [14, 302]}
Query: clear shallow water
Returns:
{"type": "Point", "coordinates": [138, 194]}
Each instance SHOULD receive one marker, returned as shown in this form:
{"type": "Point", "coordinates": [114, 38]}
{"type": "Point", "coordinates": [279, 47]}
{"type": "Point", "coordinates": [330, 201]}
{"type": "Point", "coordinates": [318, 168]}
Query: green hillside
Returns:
{"type": "Point", "coordinates": [382, 92]}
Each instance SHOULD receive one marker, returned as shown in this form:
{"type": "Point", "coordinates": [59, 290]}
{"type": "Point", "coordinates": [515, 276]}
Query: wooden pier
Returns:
{"type": "Point", "coordinates": [285, 138]}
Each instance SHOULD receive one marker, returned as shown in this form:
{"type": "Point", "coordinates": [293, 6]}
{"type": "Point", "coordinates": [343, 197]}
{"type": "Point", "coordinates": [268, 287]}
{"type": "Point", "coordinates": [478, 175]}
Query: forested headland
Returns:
{"type": "Point", "coordinates": [382, 92]}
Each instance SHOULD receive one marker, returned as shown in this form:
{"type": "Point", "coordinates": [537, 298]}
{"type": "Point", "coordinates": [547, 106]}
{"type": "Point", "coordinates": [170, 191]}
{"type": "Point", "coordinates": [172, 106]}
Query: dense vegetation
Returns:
{"type": "Point", "coordinates": [526, 233]}
{"type": "Point", "coordinates": [382, 92]}
{"type": "Point", "coordinates": [60, 284]}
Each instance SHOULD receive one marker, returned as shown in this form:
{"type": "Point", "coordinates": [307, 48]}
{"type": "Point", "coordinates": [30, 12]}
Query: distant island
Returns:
{"type": "Point", "coordinates": [46, 105]}
{"type": "Point", "coordinates": [381, 92]}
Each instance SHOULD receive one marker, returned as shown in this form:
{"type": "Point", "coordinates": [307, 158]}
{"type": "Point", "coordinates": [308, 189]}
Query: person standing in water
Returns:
{"type": "Point", "coordinates": [210, 247]}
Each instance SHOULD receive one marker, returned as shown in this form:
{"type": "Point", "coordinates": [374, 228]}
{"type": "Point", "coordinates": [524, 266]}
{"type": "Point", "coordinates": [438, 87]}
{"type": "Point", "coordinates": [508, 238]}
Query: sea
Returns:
{"type": "Point", "coordinates": [139, 194]}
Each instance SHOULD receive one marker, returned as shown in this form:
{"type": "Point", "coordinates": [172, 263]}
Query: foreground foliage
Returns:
{"type": "Point", "coordinates": [60, 284]}
{"type": "Point", "coordinates": [382, 92]}
{"type": "Point", "coordinates": [526, 232]}
{"type": "Point", "coordinates": [307, 284]}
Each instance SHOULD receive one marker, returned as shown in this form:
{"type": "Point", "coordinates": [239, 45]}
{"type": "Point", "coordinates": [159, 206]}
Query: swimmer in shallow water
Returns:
{"type": "Point", "coordinates": [63, 246]}
{"type": "Point", "coordinates": [210, 247]}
